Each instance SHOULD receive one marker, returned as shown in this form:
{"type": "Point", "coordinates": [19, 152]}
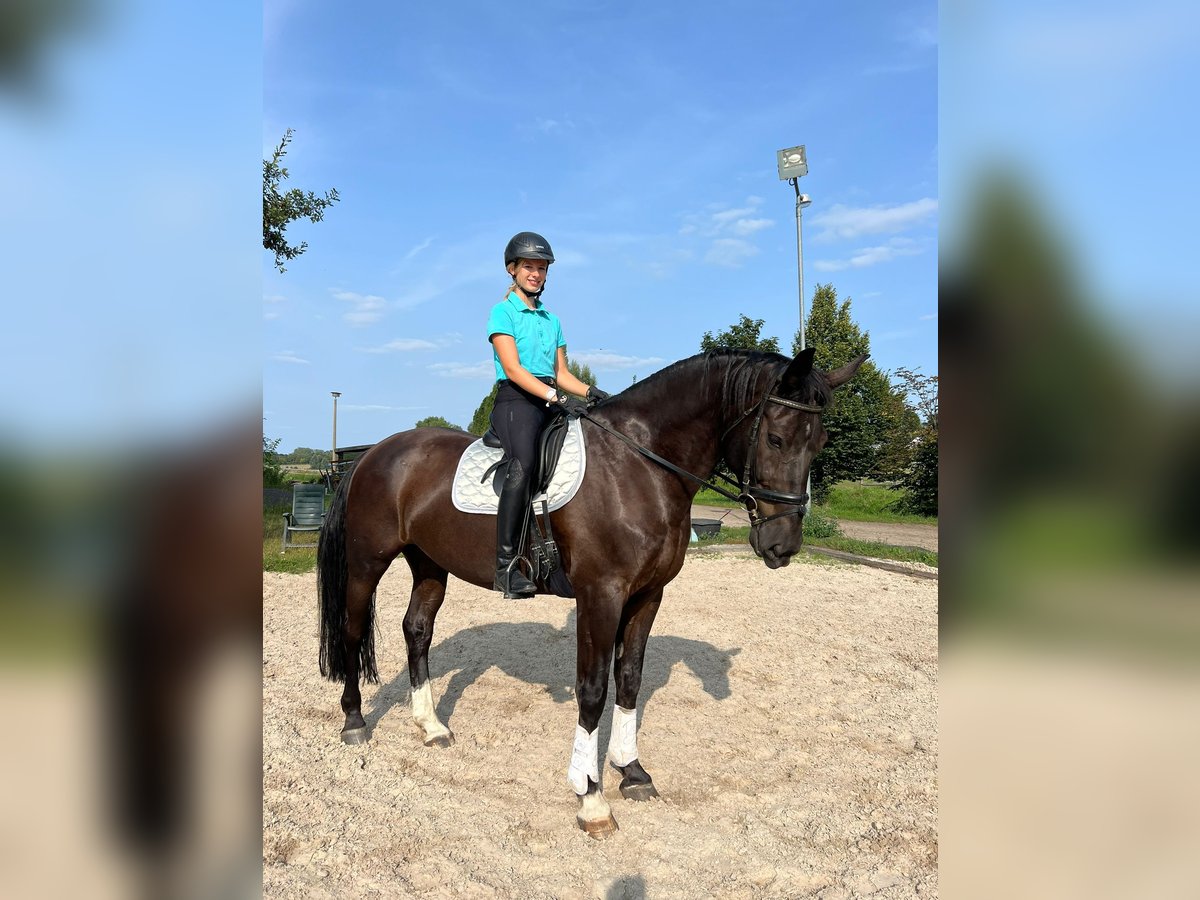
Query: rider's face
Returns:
{"type": "Point", "coordinates": [530, 274]}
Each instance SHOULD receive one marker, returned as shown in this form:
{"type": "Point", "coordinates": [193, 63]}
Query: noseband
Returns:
{"type": "Point", "coordinates": [752, 493]}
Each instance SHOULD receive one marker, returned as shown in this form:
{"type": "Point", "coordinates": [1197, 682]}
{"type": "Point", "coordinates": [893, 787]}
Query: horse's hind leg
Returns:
{"type": "Point", "coordinates": [428, 592]}
{"type": "Point", "coordinates": [360, 602]}
{"type": "Point", "coordinates": [636, 620]}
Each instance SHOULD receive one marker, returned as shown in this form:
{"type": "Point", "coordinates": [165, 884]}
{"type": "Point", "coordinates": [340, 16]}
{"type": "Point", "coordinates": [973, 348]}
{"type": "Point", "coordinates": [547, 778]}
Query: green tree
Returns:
{"type": "Point", "coordinates": [435, 422]}
{"type": "Point", "coordinates": [920, 482]}
{"type": "Point", "coordinates": [742, 336]}
{"type": "Point", "coordinates": [862, 421]}
{"type": "Point", "coordinates": [272, 468]}
{"type": "Point", "coordinates": [582, 372]}
{"type": "Point", "coordinates": [482, 419]}
{"type": "Point", "coordinates": [281, 209]}
{"type": "Point", "coordinates": [919, 477]}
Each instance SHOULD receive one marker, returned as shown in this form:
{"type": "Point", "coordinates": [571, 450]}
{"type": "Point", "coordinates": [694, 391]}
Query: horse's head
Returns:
{"type": "Point", "coordinates": [778, 443]}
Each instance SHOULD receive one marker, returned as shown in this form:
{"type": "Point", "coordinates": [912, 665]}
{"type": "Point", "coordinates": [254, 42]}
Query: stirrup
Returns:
{"type": "Point", "coordinates": [504, 580]}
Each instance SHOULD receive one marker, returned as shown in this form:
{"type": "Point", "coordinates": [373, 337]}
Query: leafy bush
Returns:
{"type": "Point", "coordinates": [818, 525]}
{"type": "Point", "coordinates": [272, 468]}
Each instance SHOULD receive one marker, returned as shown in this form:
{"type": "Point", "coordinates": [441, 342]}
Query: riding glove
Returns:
{"type": "Point", "coordinates": [595, 395]}
{"type": "Point", "coordinates": [572, 406]}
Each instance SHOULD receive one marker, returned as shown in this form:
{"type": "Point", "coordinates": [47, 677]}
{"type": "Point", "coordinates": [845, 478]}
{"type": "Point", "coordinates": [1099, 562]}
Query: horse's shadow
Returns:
{"type": "Point", "coordinates": [532, 652]}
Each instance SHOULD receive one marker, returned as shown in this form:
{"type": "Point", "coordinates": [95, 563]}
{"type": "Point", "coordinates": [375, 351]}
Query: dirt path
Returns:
{"type": "Point", "coordinates": [895, 533]}
{"type": "Point", "coordinates": [789, 719]}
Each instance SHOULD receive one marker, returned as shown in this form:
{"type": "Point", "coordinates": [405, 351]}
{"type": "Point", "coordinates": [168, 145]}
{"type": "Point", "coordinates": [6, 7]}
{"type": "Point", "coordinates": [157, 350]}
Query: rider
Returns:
{"type": "Point", "coordinates": [531, 367]}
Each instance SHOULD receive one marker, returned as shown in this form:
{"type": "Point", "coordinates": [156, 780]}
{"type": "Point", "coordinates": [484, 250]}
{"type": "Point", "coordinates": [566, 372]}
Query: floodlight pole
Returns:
{"type": "Point", "coordinates": [333, 449]}
{"type": "Point", "coordinates": [802, 201]}
{"type": "Point", "coordinates": [793, 164]}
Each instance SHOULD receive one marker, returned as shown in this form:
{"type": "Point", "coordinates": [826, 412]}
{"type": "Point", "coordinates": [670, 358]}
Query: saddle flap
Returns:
{"type": "Point", "coordinates": [550, 444]}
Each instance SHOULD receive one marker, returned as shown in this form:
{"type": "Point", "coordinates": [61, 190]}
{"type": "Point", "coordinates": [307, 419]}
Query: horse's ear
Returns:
{"type": "Point", "coordinates": [838, 377]}
{"type": "Point", "coordinates": [797, 371]}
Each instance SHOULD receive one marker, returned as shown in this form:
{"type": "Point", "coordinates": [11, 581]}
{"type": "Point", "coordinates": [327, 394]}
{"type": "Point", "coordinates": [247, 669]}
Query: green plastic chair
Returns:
{"type": "Point", "coordinates": [308, 513]}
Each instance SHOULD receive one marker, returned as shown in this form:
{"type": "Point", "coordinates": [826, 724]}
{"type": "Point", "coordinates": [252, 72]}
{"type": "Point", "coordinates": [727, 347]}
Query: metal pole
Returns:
{"type": "Point", "coordinates": [800, 255]}
{"type": "Point", "coordinates": [333, 449]}
{"type": "Point", "coordinates": [801, 202]}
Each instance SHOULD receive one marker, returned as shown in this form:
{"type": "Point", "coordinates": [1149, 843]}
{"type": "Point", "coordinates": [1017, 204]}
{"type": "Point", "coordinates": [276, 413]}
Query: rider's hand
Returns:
{"type": "Point", "coordinates": [572, 406]}
{"type": "Point", "coordinates": [595, 395]}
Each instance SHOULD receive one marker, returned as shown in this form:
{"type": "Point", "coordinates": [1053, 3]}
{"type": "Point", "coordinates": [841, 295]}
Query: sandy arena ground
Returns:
{"type": "Point", "coordinates": [789, 720]}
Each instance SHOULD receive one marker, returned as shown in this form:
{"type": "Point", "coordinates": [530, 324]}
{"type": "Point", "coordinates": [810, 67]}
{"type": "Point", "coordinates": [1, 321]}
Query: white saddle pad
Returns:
{"type": "Point", "coordinates": [472, 496]}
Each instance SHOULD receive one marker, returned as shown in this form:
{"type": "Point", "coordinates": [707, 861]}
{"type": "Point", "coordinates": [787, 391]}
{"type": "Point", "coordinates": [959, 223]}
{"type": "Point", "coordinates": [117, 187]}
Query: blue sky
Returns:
{"type": "Point", "coordinates": [130, 231]}
{"type": "Point", "coordinates": [640, 141]}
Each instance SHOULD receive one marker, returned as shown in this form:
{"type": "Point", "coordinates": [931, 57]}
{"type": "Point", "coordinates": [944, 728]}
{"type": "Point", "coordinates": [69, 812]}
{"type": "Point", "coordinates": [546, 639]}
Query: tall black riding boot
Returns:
{"type": "Point", "coordinates": [511, 518]}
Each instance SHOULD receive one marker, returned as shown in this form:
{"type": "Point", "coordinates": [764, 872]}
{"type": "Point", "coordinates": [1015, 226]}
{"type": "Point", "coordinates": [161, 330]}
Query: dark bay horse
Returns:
{"type": "Point", "coordinates": [622, 538]}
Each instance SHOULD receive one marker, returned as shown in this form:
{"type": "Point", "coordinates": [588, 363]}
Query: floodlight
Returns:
{"type": "Point", "coordinates": [793, 163]}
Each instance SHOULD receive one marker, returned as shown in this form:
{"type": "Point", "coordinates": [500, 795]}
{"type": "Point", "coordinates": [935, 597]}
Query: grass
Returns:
{"type": "Point", "coordinates": [740, 534]}
{"type": "Point", "coordinates": [857, 501]}
{"type": "Point", "coordinates": [296, 561]}
{"type": "Point", "coordinates": [854, 501]}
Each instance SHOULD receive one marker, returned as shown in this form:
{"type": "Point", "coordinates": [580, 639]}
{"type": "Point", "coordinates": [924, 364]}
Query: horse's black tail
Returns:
{"type": "Point", "coordinates": [331, 588]}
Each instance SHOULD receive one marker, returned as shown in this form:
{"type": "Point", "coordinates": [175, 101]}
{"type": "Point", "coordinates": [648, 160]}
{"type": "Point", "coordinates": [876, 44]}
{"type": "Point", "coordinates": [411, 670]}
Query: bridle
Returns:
{"type": "Point", "coordinates": [749, 494]}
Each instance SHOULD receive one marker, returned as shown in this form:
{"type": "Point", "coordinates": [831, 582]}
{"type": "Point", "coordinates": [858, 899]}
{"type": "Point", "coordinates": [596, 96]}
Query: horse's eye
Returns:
{"type": "Point", "coordinates": [774, 441]}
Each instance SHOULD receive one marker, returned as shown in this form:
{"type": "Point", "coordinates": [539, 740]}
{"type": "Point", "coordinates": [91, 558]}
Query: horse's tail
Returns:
{"type": "Point", "coordinates": [331, 588]}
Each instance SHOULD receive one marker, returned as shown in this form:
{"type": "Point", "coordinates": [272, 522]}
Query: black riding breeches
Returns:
{"type": "Point", "coordinates": [517, 419]}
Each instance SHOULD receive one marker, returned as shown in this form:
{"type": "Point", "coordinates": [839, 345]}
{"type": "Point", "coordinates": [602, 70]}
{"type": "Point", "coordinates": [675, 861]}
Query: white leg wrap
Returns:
{"type": "Point", "coordinates": [584, 762]}
{"type": "Point", "coordinates": [622, 742]}
{"type": "Point", "coordinates": [423, 712]}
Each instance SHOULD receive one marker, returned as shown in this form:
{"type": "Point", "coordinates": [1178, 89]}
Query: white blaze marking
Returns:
{"type": "Point", "coordinates": [622, 742]}
{"type": "Point", "coordinates": [584, 763]}
{"type": "Point", "coordinates": [422, 704]}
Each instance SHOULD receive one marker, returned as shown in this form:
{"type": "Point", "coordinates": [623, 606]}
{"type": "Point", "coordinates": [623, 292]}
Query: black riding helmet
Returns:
{"type": "Point", "coordinates": [527, 245]}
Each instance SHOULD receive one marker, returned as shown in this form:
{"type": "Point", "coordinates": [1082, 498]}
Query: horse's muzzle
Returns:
{"type": "Point", "coordinates": [775, 558]}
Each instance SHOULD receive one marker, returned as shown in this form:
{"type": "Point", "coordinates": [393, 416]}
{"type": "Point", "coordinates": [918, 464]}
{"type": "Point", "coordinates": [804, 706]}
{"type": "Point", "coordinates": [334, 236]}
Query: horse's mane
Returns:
{"type": "Point", "coordinates": [741, 372]}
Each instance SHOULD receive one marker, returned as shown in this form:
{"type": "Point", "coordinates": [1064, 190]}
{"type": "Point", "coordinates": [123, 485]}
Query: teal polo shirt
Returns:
{"type": "Point", "coordinates": [538, 334]}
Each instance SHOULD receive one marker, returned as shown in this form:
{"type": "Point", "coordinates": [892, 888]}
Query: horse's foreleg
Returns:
{"type": "Point", "coordinates": [636, 620]}
{"type": "Point", "coordinates": [596, 632]}
{"type": "Point", "coordinates": [428, 592]}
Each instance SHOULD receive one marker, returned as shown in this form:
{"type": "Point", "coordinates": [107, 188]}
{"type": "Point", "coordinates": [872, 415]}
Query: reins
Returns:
{"type": "Point", "coordinates": [748, 494]}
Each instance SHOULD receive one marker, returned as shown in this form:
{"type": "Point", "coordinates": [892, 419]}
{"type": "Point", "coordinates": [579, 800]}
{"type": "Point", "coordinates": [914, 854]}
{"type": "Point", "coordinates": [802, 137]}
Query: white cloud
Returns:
{"type": "Point", "coordinates": [288, 356]}
{"type": "Point", "coordinates": [873, 256]}
{"type": "Point", "coordinates": [749, 226]}
{"type": "Point", "coordinates": [272, 300]}
{"type": "Point", "coordinates": [607, 361]}
{"type": "Point", "coordinates": [366, 308]}
{"type": "Point", "coordinates": [729, 252]}
{"type": "Point", "coordinates": [402, 345]}
{"type": "Point", "coordinates": [485, 369]}
{"type": "Point", "coordinates": [848, 221]}
{"type": "Point", "coordinates": [424, 245]}
{"type": "Point", "coordinates": [929, 318]}
{"type": "Point", "coordinates": [727, 227]}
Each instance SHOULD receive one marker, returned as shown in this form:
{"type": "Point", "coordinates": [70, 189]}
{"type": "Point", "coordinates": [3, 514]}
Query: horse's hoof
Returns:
{"type": "Point", "coordinates": [355, 735]}
{"type": "Point", "coordinates": [638, 790]}
{"type": "Point", "coordinates": [598, 829]}
{"type": "Point", "coordinates": [442, 741]}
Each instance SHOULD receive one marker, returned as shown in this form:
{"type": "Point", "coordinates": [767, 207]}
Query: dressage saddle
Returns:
{"type": "Point", "coordinates": [544, 561]}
